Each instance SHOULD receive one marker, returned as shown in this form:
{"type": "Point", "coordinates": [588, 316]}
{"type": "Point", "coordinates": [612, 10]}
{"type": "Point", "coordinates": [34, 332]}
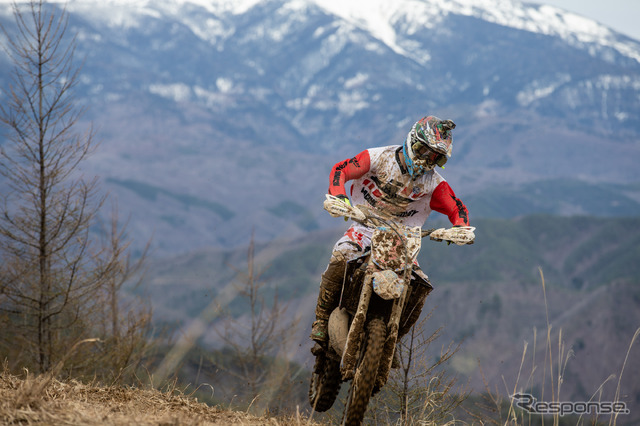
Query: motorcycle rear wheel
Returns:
{"type": "Point", "coordinates": [366, 372]}
{"type": "Point", "coordinates": [325, 383]}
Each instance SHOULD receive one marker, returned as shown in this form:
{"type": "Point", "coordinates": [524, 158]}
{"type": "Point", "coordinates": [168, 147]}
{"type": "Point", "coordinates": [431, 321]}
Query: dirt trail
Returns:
{"type": "Point", "coordinates": [40, 401]}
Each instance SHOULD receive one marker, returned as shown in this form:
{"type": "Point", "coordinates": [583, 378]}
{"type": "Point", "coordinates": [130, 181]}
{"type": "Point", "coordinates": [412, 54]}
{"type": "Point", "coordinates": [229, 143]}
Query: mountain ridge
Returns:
{"type": "Point", "coordinates": [249, 109]}
{"type": "Point", "coordinates": [543, 19]}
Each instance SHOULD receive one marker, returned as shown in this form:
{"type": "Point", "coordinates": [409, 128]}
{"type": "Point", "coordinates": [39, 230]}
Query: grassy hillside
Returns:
{"type": "Point", "coordinates": [558, 197]}
{"type": "Point", "coordinates": [489, 296]}
{"type": "Point", "coordinates": [574, 252]}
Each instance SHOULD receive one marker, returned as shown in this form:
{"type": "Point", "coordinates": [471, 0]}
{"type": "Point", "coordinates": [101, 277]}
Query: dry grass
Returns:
{"type": "Point", "coordinates": [44, 400]}
{"type": "Point", "coordinates": [553, 372]}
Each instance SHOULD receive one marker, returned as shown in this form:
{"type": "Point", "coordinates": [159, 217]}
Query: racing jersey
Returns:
{"type": "Point", "coordinates": [380, 180]}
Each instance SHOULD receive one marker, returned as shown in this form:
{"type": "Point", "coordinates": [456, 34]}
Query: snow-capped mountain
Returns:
{"type": "Point", "coordinates": [221, 116]}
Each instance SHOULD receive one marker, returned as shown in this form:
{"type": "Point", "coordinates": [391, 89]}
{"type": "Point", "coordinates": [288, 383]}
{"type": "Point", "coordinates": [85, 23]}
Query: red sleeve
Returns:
{"type": "Point", "coordinates": [445, 201]}
{"type": "Point", "coordinates": [347, 170]}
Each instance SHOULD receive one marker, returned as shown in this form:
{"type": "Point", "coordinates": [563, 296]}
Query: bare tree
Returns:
{"type": "Point", "coordinates": [53, 276]}
{"type": "Point", "coordinates": [122, 324]}
{"type": "Point", "coordinates": [255, 341]}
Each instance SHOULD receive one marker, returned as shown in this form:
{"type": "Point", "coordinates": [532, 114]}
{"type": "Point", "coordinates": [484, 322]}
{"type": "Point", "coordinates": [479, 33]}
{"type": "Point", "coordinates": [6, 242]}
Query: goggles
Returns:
{"type": "Point", "coordinates": [423, 152]}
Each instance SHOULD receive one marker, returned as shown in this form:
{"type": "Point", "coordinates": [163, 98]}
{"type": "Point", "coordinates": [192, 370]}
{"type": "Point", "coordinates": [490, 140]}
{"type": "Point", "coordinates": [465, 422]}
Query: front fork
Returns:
{"type": "Point", "coordinates": [356, 338]}
{"type": "Point", "coordinates": [393, 327]}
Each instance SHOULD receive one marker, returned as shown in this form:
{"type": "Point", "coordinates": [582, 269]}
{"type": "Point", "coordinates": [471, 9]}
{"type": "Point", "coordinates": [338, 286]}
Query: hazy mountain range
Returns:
{"type": "Point", "coordinates": [219, 117]}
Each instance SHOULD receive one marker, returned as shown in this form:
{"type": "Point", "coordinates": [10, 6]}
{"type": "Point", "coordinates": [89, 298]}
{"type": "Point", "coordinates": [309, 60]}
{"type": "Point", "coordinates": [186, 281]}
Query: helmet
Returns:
{"type": "Point", "coordinates": [428, 144]}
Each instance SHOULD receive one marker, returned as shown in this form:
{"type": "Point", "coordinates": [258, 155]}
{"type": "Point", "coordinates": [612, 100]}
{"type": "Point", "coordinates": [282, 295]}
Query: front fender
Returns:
{"type": "Point", "coordinates": [338, 330]}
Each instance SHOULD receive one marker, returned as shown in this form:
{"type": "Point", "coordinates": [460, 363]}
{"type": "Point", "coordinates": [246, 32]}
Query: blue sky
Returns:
{"type": "Point", "coordinates": [620, 15]}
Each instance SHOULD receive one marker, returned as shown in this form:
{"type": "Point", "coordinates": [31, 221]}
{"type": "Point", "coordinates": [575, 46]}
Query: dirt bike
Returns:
{"type": "Point", "coordinates": [382, 296]}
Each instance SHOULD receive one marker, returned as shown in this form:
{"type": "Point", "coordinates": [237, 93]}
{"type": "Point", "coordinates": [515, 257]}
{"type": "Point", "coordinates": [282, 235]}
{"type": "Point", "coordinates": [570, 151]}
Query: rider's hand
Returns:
{"type": "Point", "coordinates": [344, 199]}
{"type": "Point", "coordinates": [462, 226]}
{"type": "Point", "coordinates": [454, 226]}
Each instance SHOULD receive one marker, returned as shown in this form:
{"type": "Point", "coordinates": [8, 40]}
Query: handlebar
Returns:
{"type": "Point", "coordinates": [362, 214]}
{"type": "Point", "coordinates": [427, 232]}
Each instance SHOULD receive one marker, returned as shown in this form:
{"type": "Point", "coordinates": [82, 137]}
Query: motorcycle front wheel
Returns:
{"type": "Point", "coordinates": [366, 372]}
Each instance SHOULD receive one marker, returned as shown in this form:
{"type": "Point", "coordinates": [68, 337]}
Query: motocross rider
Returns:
{"type": "Point", "coordinates": [396, 179]}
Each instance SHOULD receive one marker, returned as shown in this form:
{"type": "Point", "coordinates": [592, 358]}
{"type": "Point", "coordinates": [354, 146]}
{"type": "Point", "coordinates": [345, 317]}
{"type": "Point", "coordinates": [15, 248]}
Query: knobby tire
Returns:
{"type": "Point", "coordinates": [365, 376]}
{"type": "Point", "coordinates": [325, 383]}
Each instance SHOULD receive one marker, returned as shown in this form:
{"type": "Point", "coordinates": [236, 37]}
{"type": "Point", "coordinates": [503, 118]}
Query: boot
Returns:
{"type": "Point", "coordinates": [328, 297]}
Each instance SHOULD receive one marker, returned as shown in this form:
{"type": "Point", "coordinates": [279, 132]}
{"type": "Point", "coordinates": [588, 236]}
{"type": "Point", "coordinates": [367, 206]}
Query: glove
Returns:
{"type": "Point", "coordinates": [467, 231]}
{"type": "Point", "coordinates": [458, 235]}
{"type": "Point", "coordinates": [345, 199]}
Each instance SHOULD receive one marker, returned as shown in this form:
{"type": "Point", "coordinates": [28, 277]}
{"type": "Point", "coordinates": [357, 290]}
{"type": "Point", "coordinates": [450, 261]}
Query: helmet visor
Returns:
{"type": "Point", "coordinates": [423, 152]}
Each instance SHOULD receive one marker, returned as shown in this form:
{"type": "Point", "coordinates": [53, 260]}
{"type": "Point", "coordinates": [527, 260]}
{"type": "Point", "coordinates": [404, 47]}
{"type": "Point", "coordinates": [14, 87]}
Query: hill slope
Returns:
{"type": "Point", "coordinates": [42, 400]}
{"type": "Point", "coordinates": [489, 296]}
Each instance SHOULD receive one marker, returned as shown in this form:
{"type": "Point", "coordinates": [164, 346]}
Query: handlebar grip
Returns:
{"type": "Point", "coordinates": [427, 232]}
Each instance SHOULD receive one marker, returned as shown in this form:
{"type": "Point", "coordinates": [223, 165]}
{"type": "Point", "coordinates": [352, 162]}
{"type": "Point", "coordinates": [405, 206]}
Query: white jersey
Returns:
{"type": "Point", "coordinates": [388, 187]}
{"type": "Point", "coordinates": [380, 180]}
